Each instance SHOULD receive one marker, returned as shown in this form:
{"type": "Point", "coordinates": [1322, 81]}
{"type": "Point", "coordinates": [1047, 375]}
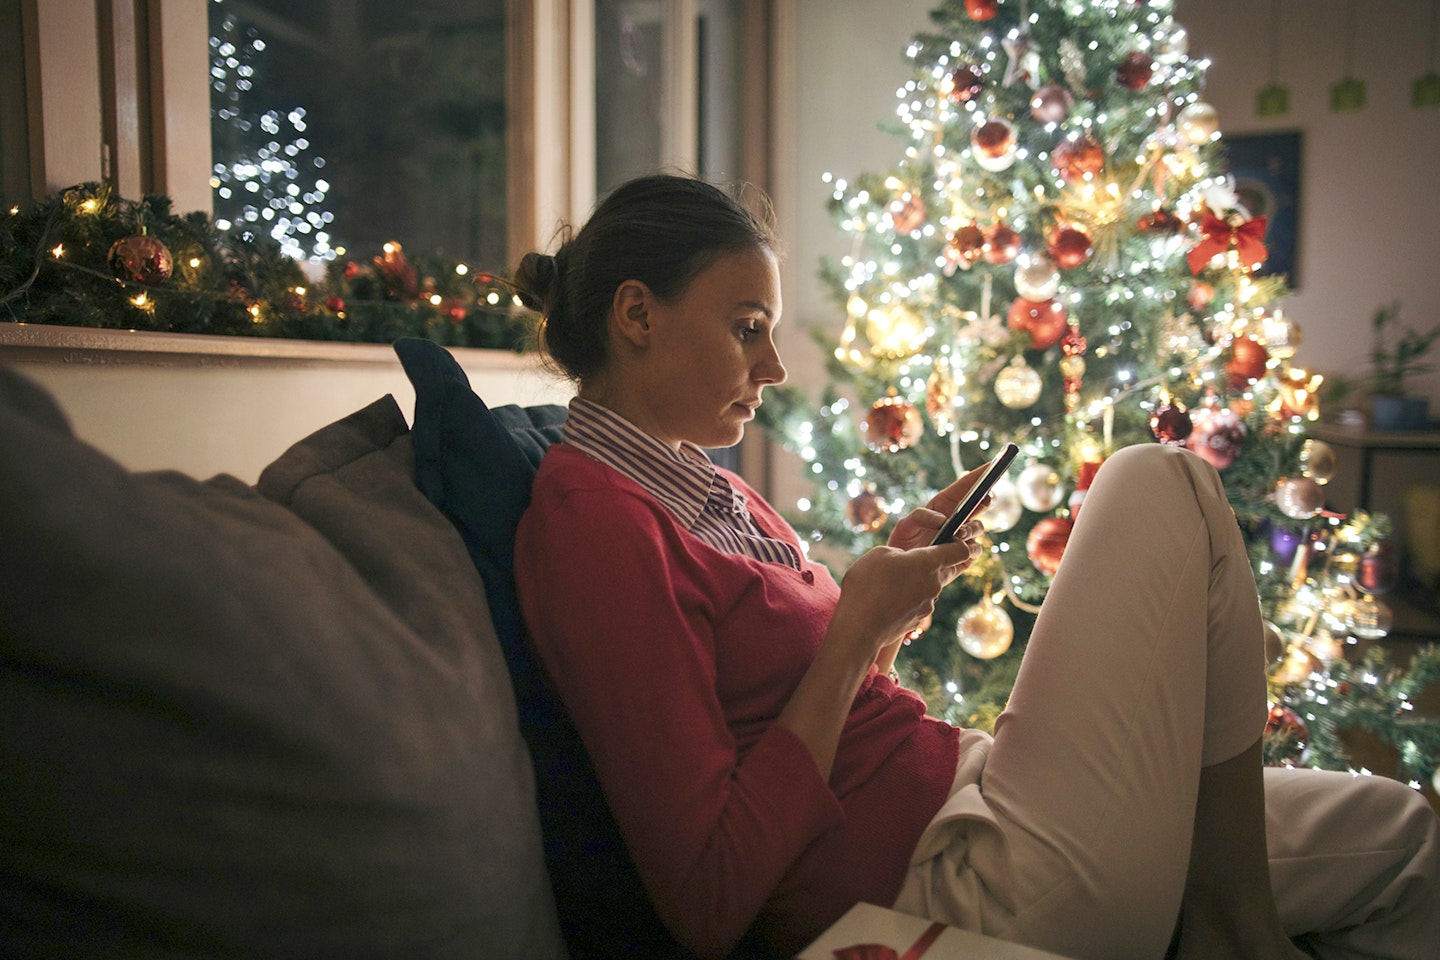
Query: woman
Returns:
{"type": "Point", "coordinates": [764, 769]}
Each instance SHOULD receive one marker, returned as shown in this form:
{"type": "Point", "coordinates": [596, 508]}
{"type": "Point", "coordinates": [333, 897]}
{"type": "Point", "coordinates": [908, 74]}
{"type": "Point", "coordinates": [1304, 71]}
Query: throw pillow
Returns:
{"type": "Point", "coordinates": [477, 465]}
{"type": "Point", "coordinates": [231, 726]}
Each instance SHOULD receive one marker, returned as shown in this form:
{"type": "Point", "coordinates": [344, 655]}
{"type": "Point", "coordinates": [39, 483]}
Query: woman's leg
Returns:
{"type": "Point", "coordinates": [1145, 666]}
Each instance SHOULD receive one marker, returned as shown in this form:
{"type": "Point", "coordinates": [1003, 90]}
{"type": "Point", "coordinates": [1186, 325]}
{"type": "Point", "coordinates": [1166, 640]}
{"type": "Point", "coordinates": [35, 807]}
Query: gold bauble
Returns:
{"type": "Point", "coordinates": [985, 630]}
{"type": "Point", "coordinates": [1017, 385]}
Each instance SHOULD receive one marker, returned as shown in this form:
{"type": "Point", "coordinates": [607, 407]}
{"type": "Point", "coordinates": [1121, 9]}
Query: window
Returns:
{"type": "Point", "coordinates": [350, 123]}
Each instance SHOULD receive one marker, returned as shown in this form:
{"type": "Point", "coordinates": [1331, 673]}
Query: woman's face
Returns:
{"type": "Point", "coordinates": [712, 351]}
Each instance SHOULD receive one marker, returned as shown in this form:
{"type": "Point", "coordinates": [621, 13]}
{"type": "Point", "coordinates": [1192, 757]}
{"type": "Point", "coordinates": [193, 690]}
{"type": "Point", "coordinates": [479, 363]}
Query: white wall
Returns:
{"type": "Point", "coordinates": [1370, 217]}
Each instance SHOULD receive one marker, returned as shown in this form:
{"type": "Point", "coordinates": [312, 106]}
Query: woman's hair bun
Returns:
{"type": "Point", "coordinates": [537, 280]}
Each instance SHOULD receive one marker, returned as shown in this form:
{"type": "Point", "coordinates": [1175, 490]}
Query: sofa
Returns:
{"type": "Point", "coordinates": [294, 719]}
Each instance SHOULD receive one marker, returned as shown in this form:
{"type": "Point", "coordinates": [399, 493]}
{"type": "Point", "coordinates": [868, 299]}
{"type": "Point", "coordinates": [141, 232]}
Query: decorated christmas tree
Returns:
{"type": "Point", "coordinates": [1057, 258]}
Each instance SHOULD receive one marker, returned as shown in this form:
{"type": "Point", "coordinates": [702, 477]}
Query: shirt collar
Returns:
{"type": "Point", "coordinates": [681, 481]}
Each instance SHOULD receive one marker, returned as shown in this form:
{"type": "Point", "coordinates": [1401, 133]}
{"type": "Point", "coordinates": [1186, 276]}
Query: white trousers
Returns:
{"type": "Point", "coordinates": [1071, 831]}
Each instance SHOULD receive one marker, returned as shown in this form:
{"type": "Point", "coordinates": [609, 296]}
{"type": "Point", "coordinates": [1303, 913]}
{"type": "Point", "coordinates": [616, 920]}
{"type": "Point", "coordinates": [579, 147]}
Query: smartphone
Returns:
{"type": "Point", "coordinates": [994, 470]}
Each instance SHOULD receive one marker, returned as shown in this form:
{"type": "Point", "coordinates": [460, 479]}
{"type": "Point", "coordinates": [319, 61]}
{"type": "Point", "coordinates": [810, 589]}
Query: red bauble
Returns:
{"type": "Point", "coordinates": [1134, 71]}
{"type": "Point", "coordinates": [966, 83]}
{"type": "Point", "coordinates": [908, 213]}
{"type": "Point", "coordinates": [866, 513]}
{"type": "Point", "coordinates": [1069, 247]}
{"type": "Point", "coordinates": [1046, 543]}
{"type": "Point", "coordinates": [994, 138]}
{"type": "Point", "coordinates": [1170, 423]}
{"type": "Point", "coordinates": [1073, 344]}
{"type": "Point", "coordinates": [1379, 569]}
{"type": "Point", "coordinates": [1046, 321]}
{"type": "Point", "coordinates": [1002, 245]}
{"type": "Point", "coordinates": [982, 10]}
{"type": "Point", "coordinates": [892, 425]}
{"type": "Point", "coordinates": [968, 244]}
{"type": "Point", "coordinates": [1285, 736]}
{"type": "Point", "coordinates": [1051, 103]}
{"type": "Point", "coordinates": [334, 304]}
{"type": "Point", "coordinates": [1247, 361]}
{"type": "Point", "coordinates": [140, 259]}
{"type": "Point", "coordinates": [1077, 159]}
{"type": "Point", "coordinates": [1219, 435]}
{"type": "Point", "coordinates": [1200, 295]}
{"type": "Point", "coordinates": [1160, 221]}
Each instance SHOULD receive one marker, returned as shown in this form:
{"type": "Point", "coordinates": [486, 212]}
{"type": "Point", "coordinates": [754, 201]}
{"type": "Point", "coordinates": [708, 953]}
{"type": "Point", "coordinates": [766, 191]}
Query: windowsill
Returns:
{"type": "Point", "coordinates": [43, 343]}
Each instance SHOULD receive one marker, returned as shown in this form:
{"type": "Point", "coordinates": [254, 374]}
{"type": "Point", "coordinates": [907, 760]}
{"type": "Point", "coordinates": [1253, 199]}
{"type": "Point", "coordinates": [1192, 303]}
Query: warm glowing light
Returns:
{"type": "Point", "coordinates": [15, 210]}
{"type": "Point", "coordinates": [435, 299]}
{"type": "Point", "coordinates": [300, 291]}
{"type": "Point", "coordinates": [461, 269]}
{"type": "Point", "coordinates": [390, 247]}
{"type": "Point", "coordinates": [89, 206]}
{"type": "Point", "coordinates": [58, 251]}
{"type": "Point", "coordinates": [255, 312]}
{"type": "Point", "coordinates": [142, 301]}
{"type": "Point", "coordinates": [194, 261]}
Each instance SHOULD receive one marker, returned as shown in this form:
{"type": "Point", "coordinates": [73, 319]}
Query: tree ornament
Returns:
{"type": "Point", "coordinates": [1274, 643]}
{"type": "Point", "coordinates": [402, 281]}
{"type": "Point", "coordinates": [1017, 384]}
{"type": "Point", "coordinates": [1299, 497]}
{"type": "Point", "coordinates": [966, 246]}
{"type": "Point", "coordinates": [985, 630]}
{"type": "Point", "coordinates": [1198, 123]}
{"type": "Point", "coordinates": [907, 212]}
{"type": "Point", "coordinates": [1171, 424]}
{"type": "Point", "coordinates": [1051, 103]}
{"type": "Point", "coordinates": [1039, 487]}
{"type": "Point", "coordinates": [1286, 735]}
{"type": "Point", "coordinates": [1199, 295]}
{"type": "Point", "coordinates": [1160, 222]}
{"type": "Point", "coordinates": [1379, 570]}
{"type": "Point", "coordinates": [1002, 245]}
{"type": "Point", "coordinates": [1069, 247]}
{"type": "Point", "coordinates": [140, 259]}
{"type": "Point", "coordinates": [335, 305]}
{"type": "Point", "coordinates": [1046, 321]}
{"type": "Point", "coordinates": [1078, 159]}
{"type": "Point", "coordinates": [1134, 71]}
{"type": "Point", "coordinates": [1024, 63]}
{"type": "Point", "coordinates": [1285, 541]}
{"type": "Point", "coordinates": [993, 137]}
{"type": "Point", "coordinates": [1218, 436]}
{"type": "Point", "coordinates": [866, 512]}
{"type": "Point", "coordinates": [1247, 361]}
{"type": "Point", "coordinates": [982, 10]}
{"type": "Point", "coordinates": [942, 390]}
{"type": "Point", "coordinates": [1297, 666]}
{"type": "Point", "coordinates": [1005, 508]}
{"type": "Point", "coordinates": [1299, 394]}
{"type": "Point", "coordinates": [1037, 278]}
{"type": "Point", "coordinates": [895, 331]}
{"type": "Point", "coordinates": [966, 82]}
{"type": "Point", "coordinates": [1369, 619]}
{"type": "Point", "coordinates": [1046, 543]}
{"type": "Point", "coordinates": [1281, 335]}
{"type": "Point", "coordinates": [1218, 237]}
{"type": "Point", "coordinates": [892, 425]}
{"type": "Point", "coordinates": [1317, 460]}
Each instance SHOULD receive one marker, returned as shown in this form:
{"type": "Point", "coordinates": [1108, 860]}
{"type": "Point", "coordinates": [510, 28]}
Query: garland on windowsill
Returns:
{"type": "Point", "coordinates": [87, 258]}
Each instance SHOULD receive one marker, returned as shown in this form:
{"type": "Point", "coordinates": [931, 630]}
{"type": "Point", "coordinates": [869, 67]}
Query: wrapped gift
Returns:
{"type": "Point", "coordinates": [868, 932]}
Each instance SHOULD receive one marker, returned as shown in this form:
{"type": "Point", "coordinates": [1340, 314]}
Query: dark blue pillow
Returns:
{"type": "Point", "coordinates": [476, 465]}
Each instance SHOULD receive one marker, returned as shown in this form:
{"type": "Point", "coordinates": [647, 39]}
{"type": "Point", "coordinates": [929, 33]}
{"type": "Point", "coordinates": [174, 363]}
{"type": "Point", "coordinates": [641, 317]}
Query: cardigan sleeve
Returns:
{"type": "Point", "coordinates": [623, 626]}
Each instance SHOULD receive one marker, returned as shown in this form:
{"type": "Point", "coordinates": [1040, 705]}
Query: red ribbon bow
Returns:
{"type": "Point", "coordinates": [876, 951]}
{"type": "Point", "coordinates": [1218, 236]}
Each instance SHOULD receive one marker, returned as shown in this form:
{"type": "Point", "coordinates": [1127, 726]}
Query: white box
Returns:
{"type": "Point", "coordinates": [911, 938]}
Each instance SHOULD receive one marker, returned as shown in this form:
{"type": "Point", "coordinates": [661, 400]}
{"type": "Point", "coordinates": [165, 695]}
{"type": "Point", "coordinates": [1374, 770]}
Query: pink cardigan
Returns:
{"type": "Point", "coordinates": [674, 660]}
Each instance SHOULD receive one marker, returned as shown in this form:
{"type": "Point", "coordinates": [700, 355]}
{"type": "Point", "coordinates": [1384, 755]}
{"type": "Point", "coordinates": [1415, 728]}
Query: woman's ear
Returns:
{"type": "Point", "coordinates": [630, 311]}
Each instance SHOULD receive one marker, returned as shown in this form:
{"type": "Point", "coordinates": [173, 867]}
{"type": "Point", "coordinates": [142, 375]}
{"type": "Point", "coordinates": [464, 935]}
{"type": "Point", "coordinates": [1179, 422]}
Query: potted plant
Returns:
{"type": "Point", "coordinates": [1392, 407]}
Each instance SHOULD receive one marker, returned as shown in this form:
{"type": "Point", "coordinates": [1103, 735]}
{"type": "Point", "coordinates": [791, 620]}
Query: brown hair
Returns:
{"type": "Point", "coordinates": [662, 230]}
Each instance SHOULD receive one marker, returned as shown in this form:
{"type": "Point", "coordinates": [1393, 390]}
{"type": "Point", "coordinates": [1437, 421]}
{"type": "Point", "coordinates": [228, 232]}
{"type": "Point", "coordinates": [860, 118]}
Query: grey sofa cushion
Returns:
{"type": "Point", "coordinates": [269, 722]}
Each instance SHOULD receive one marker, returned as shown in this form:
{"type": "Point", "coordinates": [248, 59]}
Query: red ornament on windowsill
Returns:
{"type": "Point", "coordinates": [140, 259]}
{"type": "Point", "coordinates": [982, 10]}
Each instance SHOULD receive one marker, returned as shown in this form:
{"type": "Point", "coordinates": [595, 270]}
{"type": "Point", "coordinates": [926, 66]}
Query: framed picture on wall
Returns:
{"type": "Point", "coordinates": [1266, 168]}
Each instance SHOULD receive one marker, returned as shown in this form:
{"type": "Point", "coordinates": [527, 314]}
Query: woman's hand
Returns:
{"type": "Point", "coordinates": [918, 528]}
{"type": "Point", "coordinates": [889, 590]}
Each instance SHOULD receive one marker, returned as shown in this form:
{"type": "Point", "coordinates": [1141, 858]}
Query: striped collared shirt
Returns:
{"type": "Point", "coordinates": [687, 483]}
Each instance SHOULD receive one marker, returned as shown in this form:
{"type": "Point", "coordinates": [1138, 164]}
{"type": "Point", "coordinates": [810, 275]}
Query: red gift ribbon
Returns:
{"type": "Point", "coordinates": [876, 951]}
{"type": "Point", "coordinates": [1219, 236]}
